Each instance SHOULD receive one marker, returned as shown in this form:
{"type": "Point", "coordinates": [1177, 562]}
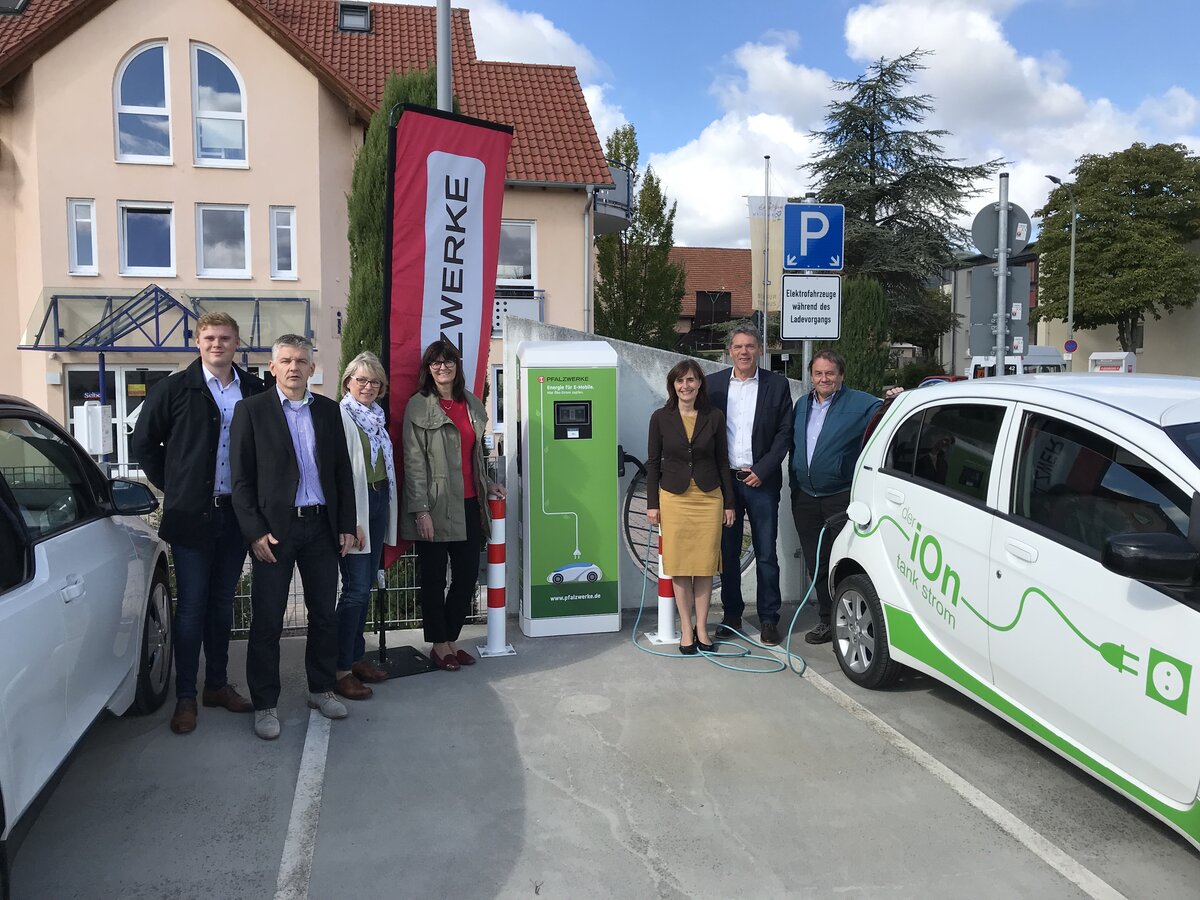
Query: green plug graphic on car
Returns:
{"type": "Point", "coordinates": [1168, 679]}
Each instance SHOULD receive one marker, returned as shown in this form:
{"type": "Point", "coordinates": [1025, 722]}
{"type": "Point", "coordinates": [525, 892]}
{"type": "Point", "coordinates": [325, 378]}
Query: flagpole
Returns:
{"type": "Point", "coordinates": [445, 96]}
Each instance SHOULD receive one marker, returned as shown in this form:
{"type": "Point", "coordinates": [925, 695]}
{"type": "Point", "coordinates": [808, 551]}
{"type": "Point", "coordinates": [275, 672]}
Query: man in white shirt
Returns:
{"type": "Point", "coordinates": [758, 421]}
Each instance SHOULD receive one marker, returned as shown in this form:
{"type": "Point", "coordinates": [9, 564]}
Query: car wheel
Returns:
{"type": "Point", "coordinates": [592, 576]}
{"type": "Point", "coordinates": [860, 634]}
{"type": "Point", "coordinates": [557, 578]}
{"type": "Point", "coordinates": [158, 645]}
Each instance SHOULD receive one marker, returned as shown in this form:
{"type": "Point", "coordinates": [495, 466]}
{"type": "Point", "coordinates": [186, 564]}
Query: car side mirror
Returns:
{"type": "Point", "coordinates": [132, 498]}
{"type": "Point", "coordinates": [1165, 559]}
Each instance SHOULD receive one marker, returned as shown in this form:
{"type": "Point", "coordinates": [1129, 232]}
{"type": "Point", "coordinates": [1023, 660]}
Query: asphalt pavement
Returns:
{"type": "Point", "coordinates": [582, 767]}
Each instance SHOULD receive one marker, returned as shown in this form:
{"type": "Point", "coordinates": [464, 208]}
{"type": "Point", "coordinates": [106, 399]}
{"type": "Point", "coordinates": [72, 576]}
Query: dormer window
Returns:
{"type": "Point", "coordinates": [354, 17]}
{"type": "Point", "coordinates": [12, 6]}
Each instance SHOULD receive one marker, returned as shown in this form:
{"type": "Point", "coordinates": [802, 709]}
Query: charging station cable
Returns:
{"type": "Point", "coordinates": [717, 656]}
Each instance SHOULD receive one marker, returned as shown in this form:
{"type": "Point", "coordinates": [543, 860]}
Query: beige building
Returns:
{"type": "Point", "coordinates": [161, 158]}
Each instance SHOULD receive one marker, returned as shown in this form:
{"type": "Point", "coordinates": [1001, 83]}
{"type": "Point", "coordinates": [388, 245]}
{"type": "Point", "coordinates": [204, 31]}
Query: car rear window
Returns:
{"type": "Point", "coordinates": [1187, 438]}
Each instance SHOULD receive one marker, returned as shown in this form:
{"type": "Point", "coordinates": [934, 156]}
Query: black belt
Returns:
{"type": "Point", "coordinates": [378, 485]}
{"type": "Point", "coordinates": [739, 474]}
{"type": "Point", "coordinates": [305, 512]}
{"type": "Point", "coordinates": [222, 500]}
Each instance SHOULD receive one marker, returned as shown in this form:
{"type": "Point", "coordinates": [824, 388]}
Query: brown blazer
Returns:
{"type": "Point", "coordinates": [672, 461]}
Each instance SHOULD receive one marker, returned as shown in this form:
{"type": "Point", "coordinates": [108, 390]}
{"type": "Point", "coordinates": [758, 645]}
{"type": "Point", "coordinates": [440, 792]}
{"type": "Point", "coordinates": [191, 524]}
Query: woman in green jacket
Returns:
{"type": "Point", "coordinates": [445, 491]}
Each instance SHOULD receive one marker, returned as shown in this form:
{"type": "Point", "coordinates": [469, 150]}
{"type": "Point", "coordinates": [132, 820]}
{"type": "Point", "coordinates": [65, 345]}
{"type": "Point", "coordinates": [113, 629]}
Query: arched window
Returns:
{"type": "Point", "coordinates": [219, 110]}
{"type": "Point", "coordinates": [143, 110]}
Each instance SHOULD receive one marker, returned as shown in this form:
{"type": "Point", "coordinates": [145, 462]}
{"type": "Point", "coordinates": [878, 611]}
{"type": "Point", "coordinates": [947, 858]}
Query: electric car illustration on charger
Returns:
{"type": "Point", "coordinates": [580, 571]}
{"type": "Point", "coordinates": [1034, 542]}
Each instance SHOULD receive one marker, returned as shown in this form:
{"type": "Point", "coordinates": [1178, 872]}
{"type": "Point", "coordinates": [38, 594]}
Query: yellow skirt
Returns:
{"type": "Point", "coordinates": [691, 531]}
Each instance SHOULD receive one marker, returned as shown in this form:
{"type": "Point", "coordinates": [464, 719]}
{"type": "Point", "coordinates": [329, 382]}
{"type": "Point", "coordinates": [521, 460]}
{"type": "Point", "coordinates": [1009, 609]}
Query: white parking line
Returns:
{"type": "Point", "coordinates": [1052, 855]}
{"type": "Point", "coordinates": [295, 868]}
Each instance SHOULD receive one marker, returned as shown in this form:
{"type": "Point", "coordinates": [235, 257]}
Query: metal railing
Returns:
{"type": "Point", "coordinates": [401, 607]}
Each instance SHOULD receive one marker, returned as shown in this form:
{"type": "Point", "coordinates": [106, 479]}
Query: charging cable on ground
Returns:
{"type": "Point", "coordinates": [794, 661]}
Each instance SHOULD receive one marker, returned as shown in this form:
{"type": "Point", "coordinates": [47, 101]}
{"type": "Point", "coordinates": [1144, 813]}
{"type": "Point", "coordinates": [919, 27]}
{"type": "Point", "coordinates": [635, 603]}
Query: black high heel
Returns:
{"type": "Point", "coordinates": [688, 650]}
{"type": "Point", "coordinates": [706, 648]}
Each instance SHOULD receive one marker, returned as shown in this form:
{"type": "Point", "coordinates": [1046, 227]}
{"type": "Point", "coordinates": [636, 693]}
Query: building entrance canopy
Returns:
{"type": "Point", "coordinates": [155, 320]}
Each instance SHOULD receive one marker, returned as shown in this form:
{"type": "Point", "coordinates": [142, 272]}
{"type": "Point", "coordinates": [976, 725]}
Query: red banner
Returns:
{"type": "Point", "coordinates": [445, 197]}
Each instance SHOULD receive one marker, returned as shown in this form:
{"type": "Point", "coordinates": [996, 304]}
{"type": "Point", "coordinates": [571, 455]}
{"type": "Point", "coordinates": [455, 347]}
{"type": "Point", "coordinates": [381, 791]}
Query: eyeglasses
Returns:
{"type": "Point", "coordinates": [368, 382]}
{"type": "Point", "coordinates": [443, 364]}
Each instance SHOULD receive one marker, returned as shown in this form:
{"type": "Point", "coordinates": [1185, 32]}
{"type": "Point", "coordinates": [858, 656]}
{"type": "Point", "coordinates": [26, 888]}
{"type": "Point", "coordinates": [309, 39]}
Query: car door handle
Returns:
{"type": "Point", "coordinates": [895, 496]}
{"type": "Point", "coordinates": [72, 590]}
{"type": "Point", "coordinates": [1021, 551]}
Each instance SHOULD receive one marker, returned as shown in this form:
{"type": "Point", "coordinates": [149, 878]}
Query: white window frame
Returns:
{"type": "Point", "coordinates": [532, 281]}
{"type": "Point", "coordinates": [203, 271]}
{"type": "Point", "coordinates": [278, 274]}
{"type": "Point", "coordinates": [118, 108]}
{"type": "Point", "coordinates": [242, 117]}
{"type": "Point", "coordinates": [74, 267]}
{"type": "Point", "coordinates": [123, 206]}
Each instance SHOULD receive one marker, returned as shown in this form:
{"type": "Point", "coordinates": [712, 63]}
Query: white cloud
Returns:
{"type": "Point", "coordinates": [607, 117]}
{"type": "Point", "coordinates": [709, 176]}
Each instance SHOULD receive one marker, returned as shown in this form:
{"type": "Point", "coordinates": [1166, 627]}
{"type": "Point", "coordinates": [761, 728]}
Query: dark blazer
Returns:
{"type": "Point", "coordinates": [266, 474]}
{"type": "Point", "coordinates": [771, 437]}
{"type": "Point", "coordinates": [672, 461]}
{"type": "Point", "coordinates": [175, 442]}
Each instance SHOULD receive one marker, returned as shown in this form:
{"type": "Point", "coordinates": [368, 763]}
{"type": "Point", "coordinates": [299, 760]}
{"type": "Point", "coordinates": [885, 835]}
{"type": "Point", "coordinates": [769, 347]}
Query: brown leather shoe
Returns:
{"type": "Point", "coordinates": [228, 697]}
{"type": "Point", "coordinates": [368, 673]}
{"type": "Point", "coordinates": [770, 634]}
{"type": "Point", "coordinates": [184, 720]}
{"type": "Point", "coordinates": [351, 688]}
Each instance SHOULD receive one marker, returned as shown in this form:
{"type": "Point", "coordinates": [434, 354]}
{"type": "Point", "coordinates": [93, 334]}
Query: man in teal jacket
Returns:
{"type": "Point", "coordinates": [829, 428]}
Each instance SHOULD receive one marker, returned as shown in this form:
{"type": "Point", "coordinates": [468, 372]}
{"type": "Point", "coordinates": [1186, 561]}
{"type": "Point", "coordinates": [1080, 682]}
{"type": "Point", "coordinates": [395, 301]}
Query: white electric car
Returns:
{"type": "Point", "coordinates": [580, 571]}
{"type": "Point", "coordinates": [85, 615]}
{"type": "Point", "coordinates": [1034, 541]}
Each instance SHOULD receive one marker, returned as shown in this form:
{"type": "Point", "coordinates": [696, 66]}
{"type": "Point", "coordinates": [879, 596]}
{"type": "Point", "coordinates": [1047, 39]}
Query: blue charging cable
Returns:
{"type": "Point", "coordinates": [718, 656]}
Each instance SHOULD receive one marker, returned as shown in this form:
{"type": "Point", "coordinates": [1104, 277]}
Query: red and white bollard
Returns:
{"type": "Point", "coordinates": [666, 633]}
{"type": "Point", "coordinates": [497, 644]}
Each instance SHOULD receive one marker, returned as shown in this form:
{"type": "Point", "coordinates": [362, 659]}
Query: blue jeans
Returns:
{"type": "Point", "coordinates": [761, 506]}
{"type": "Point", "coordinates": [205, 579]}
{"type": "Point", "coordinates": [358, 577]}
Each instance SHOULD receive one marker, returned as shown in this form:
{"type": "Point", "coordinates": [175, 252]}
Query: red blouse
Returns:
{"type": "Point", "coordinates": [459, 415]}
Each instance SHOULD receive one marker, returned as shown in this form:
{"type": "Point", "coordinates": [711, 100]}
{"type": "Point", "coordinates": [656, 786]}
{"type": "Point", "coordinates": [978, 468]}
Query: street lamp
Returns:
{"type": "Point", "coordinates": [1071, 270]}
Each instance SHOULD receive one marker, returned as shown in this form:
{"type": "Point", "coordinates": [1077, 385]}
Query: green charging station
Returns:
{"type": "Point", "coordinates": [570, 528]}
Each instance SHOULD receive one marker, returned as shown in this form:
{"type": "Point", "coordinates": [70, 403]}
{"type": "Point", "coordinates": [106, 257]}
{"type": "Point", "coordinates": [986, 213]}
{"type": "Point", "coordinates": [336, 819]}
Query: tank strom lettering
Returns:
{"type": "Point", "coordinates": [941, 584]}
{"type": "Point", "coordinates": [457, 197]}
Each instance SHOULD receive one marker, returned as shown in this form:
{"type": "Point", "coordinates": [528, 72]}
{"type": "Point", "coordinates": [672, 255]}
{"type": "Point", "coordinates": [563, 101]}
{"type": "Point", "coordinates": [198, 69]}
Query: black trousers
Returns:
{"type": "Point", "coordinates": [810, 514]}
{"type": "Point", "coordinates": [311, 548]}
{"type": "Point", "coordinates": [444, 611]}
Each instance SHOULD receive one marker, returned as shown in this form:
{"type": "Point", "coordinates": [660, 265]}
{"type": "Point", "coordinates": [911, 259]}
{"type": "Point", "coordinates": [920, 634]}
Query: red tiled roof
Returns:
{"type": "Point", "coordinates": [716, 269]}
{"type": "Point", "coordinates": [42, 24]}
{"type": "Point", "coordinates": [554, 139]}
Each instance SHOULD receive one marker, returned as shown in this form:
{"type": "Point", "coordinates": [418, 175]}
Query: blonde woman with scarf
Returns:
{"type": "Point", "coordinates": [364, 383]}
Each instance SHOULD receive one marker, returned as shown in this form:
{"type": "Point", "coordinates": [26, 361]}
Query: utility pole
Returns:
{"type": "Point", "coordinates": [1070, 271]}
{"type": "Point", "coordinates": [1002, 277]}
{"type": "Point", "coordinates": [445, 95]}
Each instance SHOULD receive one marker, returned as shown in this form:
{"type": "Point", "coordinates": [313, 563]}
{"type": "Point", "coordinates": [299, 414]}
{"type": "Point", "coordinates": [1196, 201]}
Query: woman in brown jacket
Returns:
{"type": "Point", "coordinates": [689, 495]}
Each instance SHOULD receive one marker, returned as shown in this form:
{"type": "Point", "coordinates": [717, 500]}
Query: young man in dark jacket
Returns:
{"type": "Point", "coordinates": [182, 444]}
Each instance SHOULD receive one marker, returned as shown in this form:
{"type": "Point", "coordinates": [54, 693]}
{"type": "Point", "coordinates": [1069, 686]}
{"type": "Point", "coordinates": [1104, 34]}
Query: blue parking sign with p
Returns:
{"type": "Point", "coordinates": [814, 236]}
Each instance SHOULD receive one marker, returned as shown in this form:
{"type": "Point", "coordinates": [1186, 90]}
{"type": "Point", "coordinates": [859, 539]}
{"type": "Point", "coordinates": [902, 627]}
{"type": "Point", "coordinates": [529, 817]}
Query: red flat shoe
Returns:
{"type": "Point", "coordinates": [449, 663]}
{"type": "Point", "coordinates": [465, 658]}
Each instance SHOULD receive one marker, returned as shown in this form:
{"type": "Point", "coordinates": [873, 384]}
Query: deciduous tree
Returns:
{"type": "Point", "coordinates": [638, 289]}
{"type": "Point", "coordinates": [1138, 209]}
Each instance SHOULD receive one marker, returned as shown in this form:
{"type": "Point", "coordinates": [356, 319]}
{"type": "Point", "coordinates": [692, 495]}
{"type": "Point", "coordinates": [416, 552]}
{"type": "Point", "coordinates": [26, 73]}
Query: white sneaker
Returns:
{"type": "Point", "coordinates": [328, 705]}
{"type": "Point", "coordinates": [266, 724]}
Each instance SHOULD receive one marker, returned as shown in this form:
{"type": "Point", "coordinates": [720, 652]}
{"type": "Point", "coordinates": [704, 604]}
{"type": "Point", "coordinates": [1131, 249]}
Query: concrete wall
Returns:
{"type": "Point", "coordinates": [641, 390]}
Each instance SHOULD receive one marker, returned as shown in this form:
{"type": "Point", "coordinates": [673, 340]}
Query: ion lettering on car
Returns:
{"type": "Point", "coordinates": [1168, 679]}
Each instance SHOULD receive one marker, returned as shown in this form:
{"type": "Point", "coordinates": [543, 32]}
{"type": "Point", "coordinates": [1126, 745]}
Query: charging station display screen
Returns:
{"type": "Point", "coordinates": [572, 420]}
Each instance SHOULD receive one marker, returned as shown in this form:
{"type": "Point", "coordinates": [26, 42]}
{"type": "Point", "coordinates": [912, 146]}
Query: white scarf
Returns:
{"type": "Point", "coordinates": [370, 420]}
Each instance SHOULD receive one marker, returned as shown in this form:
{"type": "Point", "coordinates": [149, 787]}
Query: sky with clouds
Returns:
{"type": "Point", "coordinates": [713, 86]}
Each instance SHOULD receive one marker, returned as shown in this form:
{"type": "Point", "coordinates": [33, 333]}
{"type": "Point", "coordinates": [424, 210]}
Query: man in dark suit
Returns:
{"type": "Point", "coordinates": [758, 421]}
{"type": "Point", "coordinates": [294, 496]}
{"type": "Point", "coordinates": [181, 442]}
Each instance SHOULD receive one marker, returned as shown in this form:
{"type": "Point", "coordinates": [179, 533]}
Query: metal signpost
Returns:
{"type": "Point", "coordinates": [810, 306]}
{"type": "Point", "coordinates": [1000, 230]}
